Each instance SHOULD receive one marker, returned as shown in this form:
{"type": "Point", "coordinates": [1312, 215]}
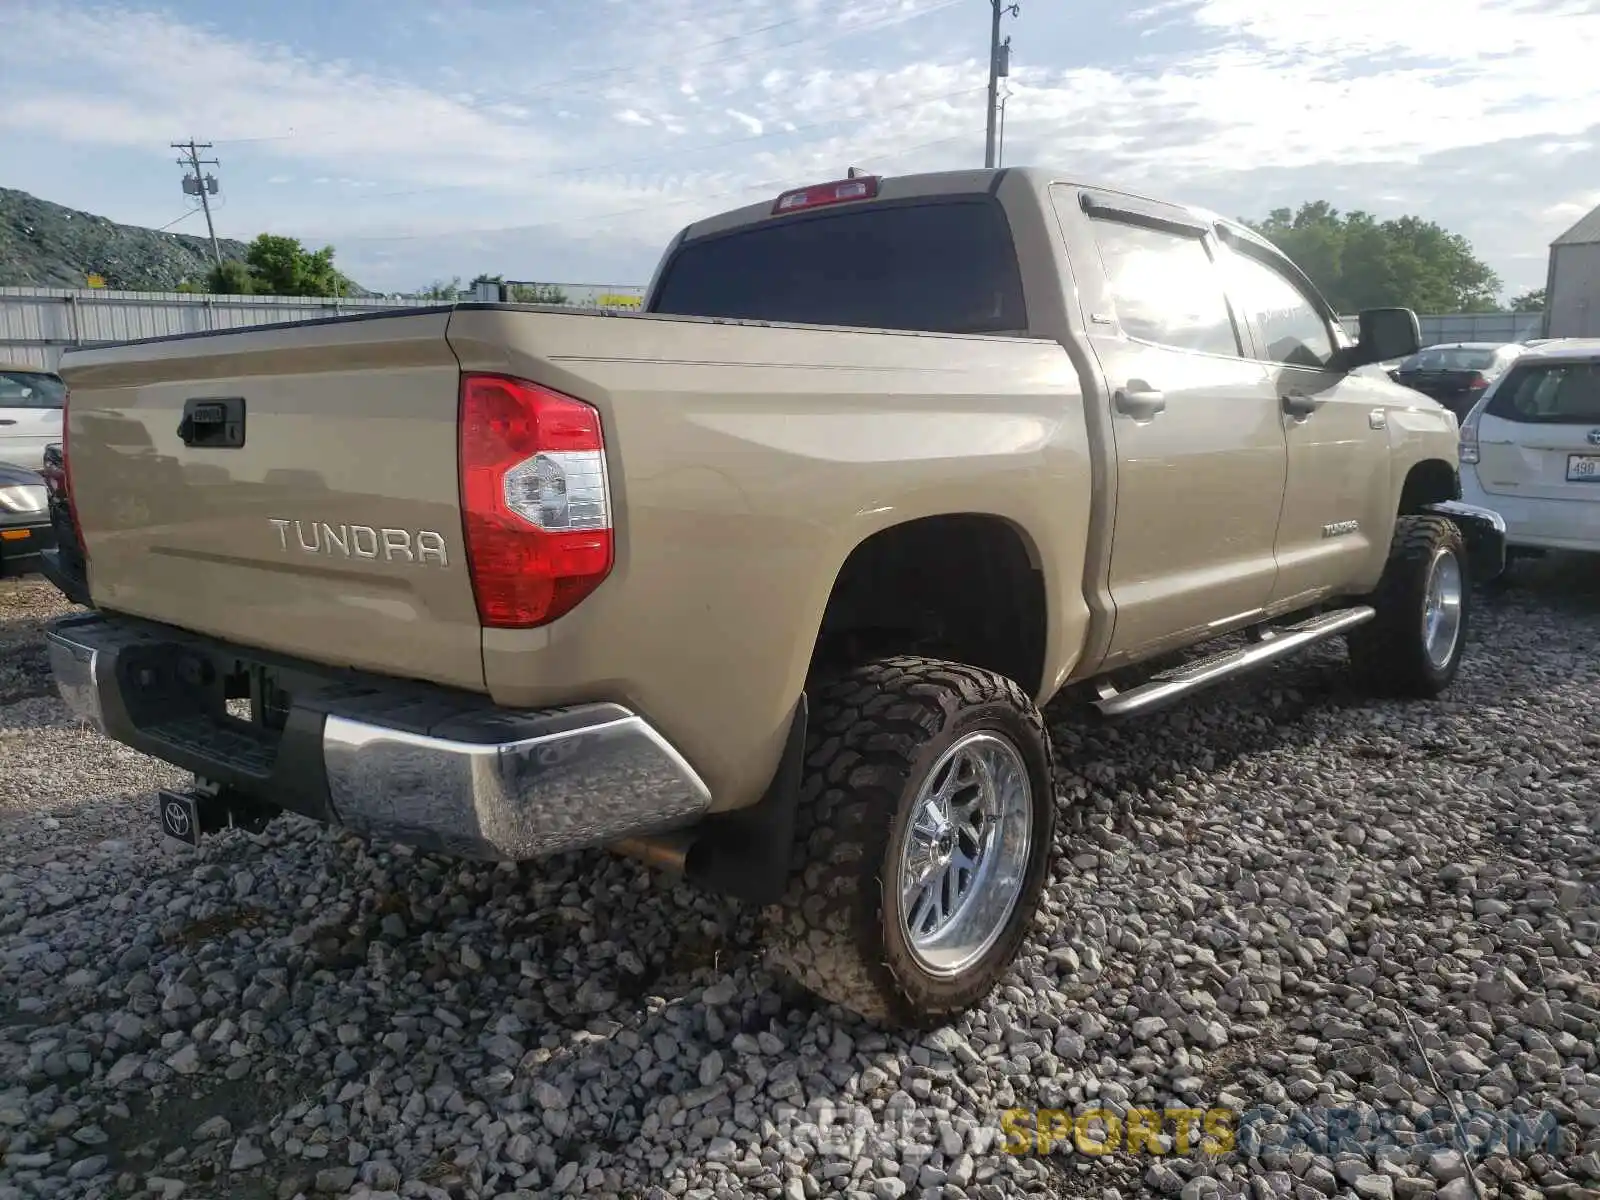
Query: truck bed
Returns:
{"type": "Point", "coordinates": [744, 462]}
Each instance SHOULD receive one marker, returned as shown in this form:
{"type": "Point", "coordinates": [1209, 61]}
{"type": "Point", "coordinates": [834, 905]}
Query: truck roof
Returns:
{"type": "Point", "coordinates": [973, 181]}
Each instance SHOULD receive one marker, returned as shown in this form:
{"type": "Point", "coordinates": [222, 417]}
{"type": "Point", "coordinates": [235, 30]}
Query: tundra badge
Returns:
{"type": "Point", "coordinates": [362, 541]}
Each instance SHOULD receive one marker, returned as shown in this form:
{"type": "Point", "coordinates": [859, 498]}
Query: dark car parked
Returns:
{"type": "Point", "coordinates": [1457, 374]}
{"type": "Point", "coordinates": [25, 527]}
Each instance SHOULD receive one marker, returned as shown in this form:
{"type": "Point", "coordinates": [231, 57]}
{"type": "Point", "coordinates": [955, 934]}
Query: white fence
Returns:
{"type": "Point", "coordinates": [1438, 328]}
{"type": "Point", "coordinates": [38, 324]}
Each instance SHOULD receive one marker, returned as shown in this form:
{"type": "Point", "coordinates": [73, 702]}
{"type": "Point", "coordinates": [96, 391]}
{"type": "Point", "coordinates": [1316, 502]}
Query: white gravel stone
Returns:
{"type": "Point", "coordinates": [1286, 890]}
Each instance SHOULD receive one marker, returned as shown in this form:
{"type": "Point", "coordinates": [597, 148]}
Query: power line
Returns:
{"type": "Point", "coordinates": [176, 220]}
{"type": "Point", "coordinates": [999, 68]}
{"type": "Point", "coordinates": [203, 185]}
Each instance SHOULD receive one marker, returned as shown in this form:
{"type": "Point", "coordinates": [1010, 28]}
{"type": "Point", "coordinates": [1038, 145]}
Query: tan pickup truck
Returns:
{"type": "Point", "coordinates": [767, 582]}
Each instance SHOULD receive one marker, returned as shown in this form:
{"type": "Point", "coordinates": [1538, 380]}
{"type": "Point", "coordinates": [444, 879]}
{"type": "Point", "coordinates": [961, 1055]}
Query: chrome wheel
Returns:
{"type": "Point", "coordinates": [1441, 608]}
{"type": "Point", "coordinates": [965, 853]}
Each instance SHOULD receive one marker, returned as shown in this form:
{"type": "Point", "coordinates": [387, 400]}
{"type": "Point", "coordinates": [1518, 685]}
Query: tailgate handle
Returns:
{"type": "Point", "coordinates": [216, 424]}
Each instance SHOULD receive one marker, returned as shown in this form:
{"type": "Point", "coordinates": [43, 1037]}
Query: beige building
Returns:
{"type": "Point", "coordinates": [1572, 289]}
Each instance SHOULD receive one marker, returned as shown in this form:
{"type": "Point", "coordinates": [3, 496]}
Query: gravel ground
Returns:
{"type": "Point", "coordinates": [1282, 898]}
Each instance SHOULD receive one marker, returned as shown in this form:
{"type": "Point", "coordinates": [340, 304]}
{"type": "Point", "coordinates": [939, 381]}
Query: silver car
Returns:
{"type": "Point", "coordinates": [31, 401]}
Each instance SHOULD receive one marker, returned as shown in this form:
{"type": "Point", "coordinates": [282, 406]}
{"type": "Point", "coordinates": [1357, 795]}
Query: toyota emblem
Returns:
{"type": "Point", "coordinates": [1594, 437]}
{"type": "Point", "coordinates": [177, 818]}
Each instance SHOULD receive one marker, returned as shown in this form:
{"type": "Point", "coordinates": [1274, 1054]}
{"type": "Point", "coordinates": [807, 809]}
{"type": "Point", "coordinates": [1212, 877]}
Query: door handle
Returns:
{"type": "Point", "coordinates": [1298, 404]}
{"type": "Point", "coordinates": [1140, 401]}
{"type": "Point", "coordinates": [6, 421]}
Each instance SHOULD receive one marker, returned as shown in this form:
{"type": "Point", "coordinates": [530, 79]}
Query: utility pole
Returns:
{"type": "Point", "coordinates": [999, 65]}
{"type": "Point", "coordinates": [200, 185]}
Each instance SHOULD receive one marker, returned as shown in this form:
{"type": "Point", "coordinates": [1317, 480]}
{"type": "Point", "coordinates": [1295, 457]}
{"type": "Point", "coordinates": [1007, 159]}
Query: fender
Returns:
{"type": "Point", "coordinates": [1484, 531]}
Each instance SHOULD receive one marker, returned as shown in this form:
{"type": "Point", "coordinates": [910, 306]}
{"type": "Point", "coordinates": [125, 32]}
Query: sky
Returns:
{"type": "Point", "coordinates": [567, 140]}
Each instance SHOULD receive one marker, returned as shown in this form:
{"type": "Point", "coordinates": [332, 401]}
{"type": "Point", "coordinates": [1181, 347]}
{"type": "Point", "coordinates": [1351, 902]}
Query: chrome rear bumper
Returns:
{"type": "Point", "coordinates": [462, 778]}
{"type": "Point", "coordinates": [605, 774]}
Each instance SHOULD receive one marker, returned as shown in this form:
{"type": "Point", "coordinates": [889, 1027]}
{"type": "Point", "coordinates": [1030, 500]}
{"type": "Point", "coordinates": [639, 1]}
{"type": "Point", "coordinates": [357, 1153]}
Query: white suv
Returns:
{"type": "Point", "coordinates": [1530, 448]}
{"type": "Point", "coordinates": [30, 414]}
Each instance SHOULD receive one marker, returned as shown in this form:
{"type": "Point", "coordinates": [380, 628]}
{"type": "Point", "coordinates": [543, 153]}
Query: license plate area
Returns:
{"type": "Point", "coordinates": [220, 709]}
{"type": "Point", "coordinates": [1583, 468]}
{"type": "Point", "coordinates": [180, 816]}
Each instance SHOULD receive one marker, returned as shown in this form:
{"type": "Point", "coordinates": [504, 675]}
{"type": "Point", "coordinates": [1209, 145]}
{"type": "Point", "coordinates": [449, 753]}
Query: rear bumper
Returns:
{"type": "Point", "coordinates": [1542, 523]}
{"type": "Point", "coordinates": [22, 547]}
{"type": "Point", "coordinates": [391, 760]}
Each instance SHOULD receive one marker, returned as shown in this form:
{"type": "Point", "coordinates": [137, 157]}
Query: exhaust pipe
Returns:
{"type": "Point", "coordinates": [665, 852]}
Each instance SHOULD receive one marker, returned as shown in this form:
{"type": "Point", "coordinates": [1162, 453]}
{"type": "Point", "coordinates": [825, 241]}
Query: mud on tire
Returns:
{"type": "Point", "coordinates": [877, 733]}
{"type": "Point", "coordinates": [1390, 654]}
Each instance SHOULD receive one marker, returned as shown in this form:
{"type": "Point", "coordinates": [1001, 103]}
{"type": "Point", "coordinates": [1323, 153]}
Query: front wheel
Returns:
{"type": "Point", "coordinates": [925, 829]}
{"type": "Point", "coordinates": [1413, 647]}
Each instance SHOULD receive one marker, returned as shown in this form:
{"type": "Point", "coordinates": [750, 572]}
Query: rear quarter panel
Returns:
{"type": "Point", "coordinates": [747, 462]}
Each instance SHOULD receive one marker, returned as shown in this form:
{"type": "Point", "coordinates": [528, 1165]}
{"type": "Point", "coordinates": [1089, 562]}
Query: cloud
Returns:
{"type": "Point", "coordinates": [523, 131]}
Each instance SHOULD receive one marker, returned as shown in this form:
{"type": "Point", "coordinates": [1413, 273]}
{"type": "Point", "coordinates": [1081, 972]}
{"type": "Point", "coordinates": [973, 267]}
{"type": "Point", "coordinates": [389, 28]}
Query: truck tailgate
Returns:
{"type": "Point", "coordinates": [332, 533]}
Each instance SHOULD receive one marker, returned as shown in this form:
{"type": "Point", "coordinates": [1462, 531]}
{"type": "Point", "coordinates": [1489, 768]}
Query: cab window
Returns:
{"type": "Point", "coordinates": [1289, 324]}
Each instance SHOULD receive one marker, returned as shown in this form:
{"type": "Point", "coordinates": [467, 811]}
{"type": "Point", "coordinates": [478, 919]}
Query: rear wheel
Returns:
{"type": "Point", "coordinates": [925, 830]}
{"type": "Point", "coordinates": [1413, 647]}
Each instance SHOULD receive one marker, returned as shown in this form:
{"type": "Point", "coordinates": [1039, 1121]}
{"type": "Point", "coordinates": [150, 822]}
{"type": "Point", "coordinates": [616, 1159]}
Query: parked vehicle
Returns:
{"type": "Point", "coordinates": [1390, 368]}
{"type": "Point", "coordinates": [1457, 375]}
{"type": "Point", "coordinates": [1531, 448]}
{"type": "Point", "coordinates": [769, 582]}
{"type": "Point", "coordinates": [61, 557]}
{"type": "Point", "coordinates": [30, 414]}
{"type": "Point", "coordinates": [24, 521]}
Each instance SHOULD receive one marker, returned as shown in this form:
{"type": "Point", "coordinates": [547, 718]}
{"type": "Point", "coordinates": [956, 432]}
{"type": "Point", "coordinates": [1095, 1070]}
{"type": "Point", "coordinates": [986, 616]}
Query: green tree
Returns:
{"type": "Point", "coordinates": [281, 266]}
{"type": "Point", "coordinates": [232, 278]}
{"type": "Point", "coordinates": [1359, 262]}
{"type": "Point", "coordinates": [538, 293]}
{"type": "Point", "coordinates": [441, 289]}
{"type": "Point", "coordinates": [1530, 301]}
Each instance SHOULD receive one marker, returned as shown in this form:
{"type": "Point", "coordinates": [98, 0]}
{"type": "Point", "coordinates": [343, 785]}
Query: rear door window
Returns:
{"type": "Point", "coordinates": [1166, 288]}
{"type": "Point", "coordinates": [1549, 394]}
{"type": "Point", "coordinates": [936, 267]}
{"type": "Point", "coordinates": [29, 389]}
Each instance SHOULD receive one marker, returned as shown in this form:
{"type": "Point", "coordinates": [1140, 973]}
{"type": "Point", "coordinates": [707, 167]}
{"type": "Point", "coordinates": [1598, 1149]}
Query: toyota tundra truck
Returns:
{"type": "Point", "coordinates": [768, 582]}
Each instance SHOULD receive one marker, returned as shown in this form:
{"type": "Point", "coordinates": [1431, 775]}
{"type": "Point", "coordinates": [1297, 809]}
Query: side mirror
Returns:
{"type": "Point", "coordinates": [1387, 333]}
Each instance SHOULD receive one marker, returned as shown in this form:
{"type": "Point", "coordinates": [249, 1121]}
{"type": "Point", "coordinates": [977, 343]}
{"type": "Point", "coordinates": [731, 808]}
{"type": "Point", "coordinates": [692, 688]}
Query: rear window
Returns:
{"type": "Point", "coordinates": [31, 389]}
{"type": "Point", "coordinates": [1449, 360]}
{"type": "Point", "coordinates": [946, 267]}
{"type": "Point", "coordinates": [1549, 394]}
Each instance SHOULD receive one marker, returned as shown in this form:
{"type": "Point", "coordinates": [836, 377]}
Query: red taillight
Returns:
{"type": "Point", "coordinates": [863, 187]}
{"type": "Point", "coordinates": [535, 504]}
{"type": "Point", "coordinates": [1477, 383]}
